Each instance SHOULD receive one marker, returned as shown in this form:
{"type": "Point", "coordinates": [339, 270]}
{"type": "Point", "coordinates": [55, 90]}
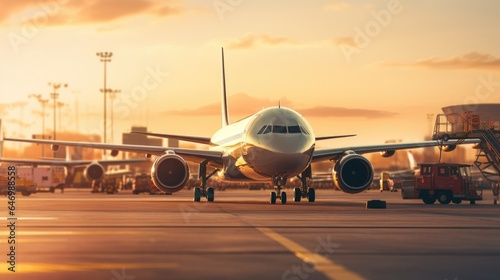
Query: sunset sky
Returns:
{"type": "Point", "coordinates": [374, 68]}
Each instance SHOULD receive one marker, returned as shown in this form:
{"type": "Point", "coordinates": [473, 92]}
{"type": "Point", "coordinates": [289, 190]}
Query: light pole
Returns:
{"type": "Point", "coordinates": [76, 110]}
{"type": "Point", "coordinates": [44, 103]}
{"type": "Point", "coordinates": [112, 96]}
{"type": "Point", "coordinates": [60, 105]}
{"type": "Point", "coordinates": [105, 57]}
{"type": "Point", "coordinates": [54, 95]}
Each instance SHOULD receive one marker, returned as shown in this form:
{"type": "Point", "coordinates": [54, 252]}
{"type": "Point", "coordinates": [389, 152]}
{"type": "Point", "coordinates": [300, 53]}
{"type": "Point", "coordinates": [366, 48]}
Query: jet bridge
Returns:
{"type": "Point", "coordinates": [478, 121]}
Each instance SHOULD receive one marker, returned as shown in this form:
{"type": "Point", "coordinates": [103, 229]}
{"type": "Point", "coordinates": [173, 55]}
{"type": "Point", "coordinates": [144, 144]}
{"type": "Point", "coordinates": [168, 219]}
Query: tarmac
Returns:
{"type": "Point", "coordinates": [78, 235]}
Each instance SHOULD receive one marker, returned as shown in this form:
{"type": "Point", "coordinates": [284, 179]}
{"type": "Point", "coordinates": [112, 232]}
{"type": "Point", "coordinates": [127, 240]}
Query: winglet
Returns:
{"type": "Point", "coordinates": [225, 116]}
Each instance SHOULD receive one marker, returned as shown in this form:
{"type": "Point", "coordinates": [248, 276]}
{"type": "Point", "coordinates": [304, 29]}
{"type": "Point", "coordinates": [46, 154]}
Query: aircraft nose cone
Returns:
{"type": "Point", "coordinates": [288, 145]}
{"type": "Point", "coordinates": [287, 160]}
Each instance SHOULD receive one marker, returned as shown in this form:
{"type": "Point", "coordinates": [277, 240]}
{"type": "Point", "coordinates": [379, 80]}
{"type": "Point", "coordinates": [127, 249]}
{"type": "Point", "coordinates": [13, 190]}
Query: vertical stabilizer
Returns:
{"type": "Point", "coordinates": [225, 116]}
{"type": "Point", "coordinates": [68, 154]}
{"type": "Point", "coordinates": [411, 159]}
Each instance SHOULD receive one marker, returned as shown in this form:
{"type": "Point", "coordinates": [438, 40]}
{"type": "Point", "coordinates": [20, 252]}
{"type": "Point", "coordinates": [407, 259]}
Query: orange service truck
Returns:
{"type": "Point", "coordinates": [444, 182]}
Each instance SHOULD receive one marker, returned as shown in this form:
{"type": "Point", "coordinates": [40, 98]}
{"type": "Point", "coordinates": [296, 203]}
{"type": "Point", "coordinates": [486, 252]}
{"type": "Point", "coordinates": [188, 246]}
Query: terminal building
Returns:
{"type": "Point", "coordinates": [141, 139]}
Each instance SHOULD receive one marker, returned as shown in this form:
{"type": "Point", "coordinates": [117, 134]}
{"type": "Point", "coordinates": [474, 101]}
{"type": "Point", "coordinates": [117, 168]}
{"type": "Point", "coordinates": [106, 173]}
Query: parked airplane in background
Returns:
{"type": "Point", "coordinates": [94, 169]}
{"type": "Point", "coordinates": [405, 174]}
{"type": "Point", "coordinates": [273, 144]}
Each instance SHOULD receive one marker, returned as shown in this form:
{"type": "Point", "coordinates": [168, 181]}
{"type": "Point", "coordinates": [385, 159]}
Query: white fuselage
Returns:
{"type": "Point", "coordinates": [274, 143]}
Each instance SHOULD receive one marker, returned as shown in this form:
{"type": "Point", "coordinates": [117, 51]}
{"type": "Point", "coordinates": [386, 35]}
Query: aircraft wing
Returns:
{"type": "Point", "coordinates": [72, 163]}
{"type": "Point", "coordinates": [333, 137]}
{"type": "Point", "coordinates": [334, 154]}
{"type": "Point", "coordinates": [193, 155]}
{"type": "Point", "coordinates": [195, 139]}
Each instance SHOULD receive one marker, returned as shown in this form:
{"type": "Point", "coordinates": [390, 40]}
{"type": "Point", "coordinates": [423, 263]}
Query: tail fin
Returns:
{"type": "Point", "coordinates": [68, 154]}
{"type": "Point", "coordinates": [411, 159]}
{"type": "Point", "coordinates": [225, 116]}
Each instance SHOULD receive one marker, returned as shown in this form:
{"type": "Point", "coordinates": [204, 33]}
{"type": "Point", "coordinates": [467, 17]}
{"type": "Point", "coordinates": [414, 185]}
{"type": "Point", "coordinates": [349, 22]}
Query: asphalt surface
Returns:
{"type": "Point", "coordinates": [79, 235]}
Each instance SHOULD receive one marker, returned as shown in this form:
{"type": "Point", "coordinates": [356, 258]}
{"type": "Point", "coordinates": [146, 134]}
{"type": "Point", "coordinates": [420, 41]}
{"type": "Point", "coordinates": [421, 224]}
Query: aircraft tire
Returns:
{"type": "Point", "coordinates": [210, 194]}
{"type": "Point", "coordinates": [273, 198]}
{"type": "Point", "coordinates": [297, 194]}
{"type": "Point", "coordinates": [197, 194]}
{"type": "Point", "coordinates": [311, 194]}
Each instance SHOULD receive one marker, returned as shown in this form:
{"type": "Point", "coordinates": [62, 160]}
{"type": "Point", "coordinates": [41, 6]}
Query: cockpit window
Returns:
{"type": "Point", "coordinates": [294, 129]}
{"type": "Point", "coordinates": [262, 129]}
{"type": "Point", "coordinates": [265, 129]}
{"type": "Point", "coordinates": [282, 129]}
{"type": "Point", "coordinates": [279, 129]}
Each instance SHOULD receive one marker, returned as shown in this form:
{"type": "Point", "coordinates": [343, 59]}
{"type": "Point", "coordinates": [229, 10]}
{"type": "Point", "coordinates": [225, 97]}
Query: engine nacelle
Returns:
{"type": "Point", "coordinates": [449, 148]}
{"type": "Point", "coordinates": [114, 153]}
{"type": "Point", "coordinates": [388, 153]}
{"type": "Point", "coordinates": [352, 173]}
{"type": "Point", "coordinates": [170, 173]}
{"type": "Point", "coordinates": [94, 171]}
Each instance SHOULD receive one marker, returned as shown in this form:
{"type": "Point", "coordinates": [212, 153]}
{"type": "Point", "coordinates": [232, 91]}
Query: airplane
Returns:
{"type": "Point", "coordinates": [405, 174]}
{"type": "Point", "coordinates": [94, 170]}
{"type": "Point", "coordinates": [272, 145]}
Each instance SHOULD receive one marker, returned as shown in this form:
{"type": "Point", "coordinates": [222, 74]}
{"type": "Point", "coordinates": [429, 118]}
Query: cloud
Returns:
{"type": "Point", "coordinates": [252, 40]}
{"type": "Point", "coordinates": [337, 6]}
{"type": "Point", "coordinates": [243, 105]}
{"type": "Point", "coordinates": [240, 103]}
{"type": "Point", "coordinates": [63, 12]}
{"type": "Point", "coordinates": [328, 111]}
{"type": "Point", "coordinates": [10, 7]}
{"type": "Point", "coordinates": [472, 60]}
{"type": "Point", "coordinates": [345, 41]}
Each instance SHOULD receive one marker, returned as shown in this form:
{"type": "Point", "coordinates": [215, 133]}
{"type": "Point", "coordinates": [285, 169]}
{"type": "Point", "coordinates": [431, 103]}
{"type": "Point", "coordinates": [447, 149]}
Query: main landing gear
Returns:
{"type": "Point", "coordinates": [298, 193]}
{"type": "Point", "coordinates": [203, 191]}
{"type": "Point", "coordinates": [304, 192]}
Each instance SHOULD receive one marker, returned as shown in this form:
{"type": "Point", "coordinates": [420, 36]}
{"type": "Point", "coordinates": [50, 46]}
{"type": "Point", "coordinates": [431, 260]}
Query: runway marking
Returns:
{"type": "Point", "coordinates": [31, 218]}
{"type": "Point", "coordinates": [58, 233]}
{"type": "Point", "coordinates": [330, 269]}
{"type": "Point", "coordinates": [52, 267]}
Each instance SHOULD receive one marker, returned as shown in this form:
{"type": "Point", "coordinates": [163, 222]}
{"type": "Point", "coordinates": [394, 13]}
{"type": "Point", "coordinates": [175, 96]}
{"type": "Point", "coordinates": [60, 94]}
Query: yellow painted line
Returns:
{"type": "Point", "coordinates": [52, 267]}
{"type": "Point", "coordinates": [330, 269]}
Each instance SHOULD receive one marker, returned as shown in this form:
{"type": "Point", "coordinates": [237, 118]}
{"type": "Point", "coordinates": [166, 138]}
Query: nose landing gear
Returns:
{"type": "Point", "coordinates": [278, 182]}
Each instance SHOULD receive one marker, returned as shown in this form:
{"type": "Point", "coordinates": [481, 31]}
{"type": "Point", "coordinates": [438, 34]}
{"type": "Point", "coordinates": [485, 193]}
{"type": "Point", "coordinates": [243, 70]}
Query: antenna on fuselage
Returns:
{"type": "Point", "coordinates": [225, 116]}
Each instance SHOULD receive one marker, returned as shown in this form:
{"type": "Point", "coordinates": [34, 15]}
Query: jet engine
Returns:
{"type": "Point", "coordinates": [388, 153]}
{"type": "Point", "coordinates": [94, 171]}
{"type": "Point", "coordinates": [352, 173]}
{"type": "Point", "coordinates": [449, 148]}
{"type": "Point", "coordinates": [170, 173]}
